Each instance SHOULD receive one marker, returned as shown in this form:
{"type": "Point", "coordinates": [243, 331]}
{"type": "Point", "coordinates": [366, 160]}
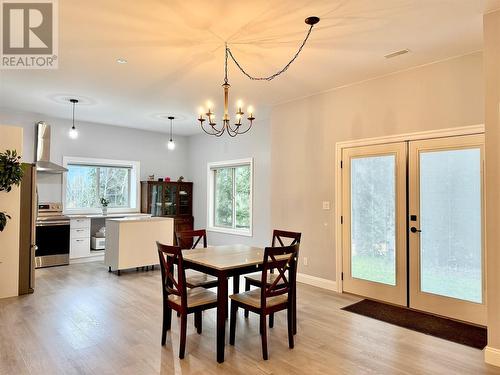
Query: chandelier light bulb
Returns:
{"type": "Point", "coordinates": [171, 145]}
{"type": "Point", "coordinates": [239, 104]}
{"type": "Point", "coordinates": [73, 133]}
{"type": "Point", "coordinates": [210, 105]}
{"type": "Point", "coordinates": [201, 111]}
{"type": "Point", "coordinates": [250, 110]}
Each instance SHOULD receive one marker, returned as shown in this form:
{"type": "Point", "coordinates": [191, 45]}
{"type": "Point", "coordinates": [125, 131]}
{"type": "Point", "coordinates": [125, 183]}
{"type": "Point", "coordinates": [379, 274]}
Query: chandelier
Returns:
{"type": "Point", "coordinates": [207, 114]}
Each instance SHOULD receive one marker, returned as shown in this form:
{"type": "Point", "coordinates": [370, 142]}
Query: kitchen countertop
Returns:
{"type": "Point", "coordinates": [110, 216]}
{"type": "Point", "coordinates": [140, 218]}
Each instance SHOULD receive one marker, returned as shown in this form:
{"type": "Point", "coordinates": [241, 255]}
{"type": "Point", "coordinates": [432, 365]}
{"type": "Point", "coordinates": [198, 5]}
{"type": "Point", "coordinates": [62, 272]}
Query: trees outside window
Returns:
{"type": "Point", "coordinates": [89, 180]}
{"type": "Point", "coordinates": [87, 184]}
{"type": "Point", "coordinates": [230, 196]}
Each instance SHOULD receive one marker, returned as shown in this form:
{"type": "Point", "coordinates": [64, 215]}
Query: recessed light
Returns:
{"type": "Point", "coordinates": [397, 53]}
{"type": "Point", "coordinates": [121, 61]}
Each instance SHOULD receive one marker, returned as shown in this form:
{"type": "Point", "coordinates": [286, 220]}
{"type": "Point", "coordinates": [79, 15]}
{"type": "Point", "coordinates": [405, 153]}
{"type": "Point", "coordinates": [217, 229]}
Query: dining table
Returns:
{"type": "Point", "coordinates": [223, 262]}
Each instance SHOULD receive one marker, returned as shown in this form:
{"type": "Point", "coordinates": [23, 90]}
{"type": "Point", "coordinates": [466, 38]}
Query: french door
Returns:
{"type": "Point", "coordinates": [374, 224]}
{"type": "Point", "coordinates": [446, 227]}
{"type": "Point", "coordinates": [413, 225]}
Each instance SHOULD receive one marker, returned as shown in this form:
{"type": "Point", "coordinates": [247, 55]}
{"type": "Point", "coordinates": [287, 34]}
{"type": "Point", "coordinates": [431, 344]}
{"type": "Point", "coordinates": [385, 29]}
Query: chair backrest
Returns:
{"type": "Point", "coordinates": [189, 239]}
{"type": "Point", "coordinates": [280, 259]}
{"type": "Point", "coordinates": [170, 256]}
{"type": "Point", "coordinates": [280, 237]}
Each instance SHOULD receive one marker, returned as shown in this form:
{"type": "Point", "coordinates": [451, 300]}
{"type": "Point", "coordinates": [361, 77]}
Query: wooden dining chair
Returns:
{"type": "Point", "coordinates": [177, 297]}
{"type": "Point", "coordinates": [280, 238]}
{"type": "Point", "coordinates": [272, 297]}
{"type": "Point", "coordinates": [190, 240]}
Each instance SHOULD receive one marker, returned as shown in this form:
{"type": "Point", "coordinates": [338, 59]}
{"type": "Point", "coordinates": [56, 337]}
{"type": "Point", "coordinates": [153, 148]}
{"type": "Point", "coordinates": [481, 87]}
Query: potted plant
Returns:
{"type": "Point", "coordinates": [11, 174]}
{"type": "Point", "coordinates": [104, 205]}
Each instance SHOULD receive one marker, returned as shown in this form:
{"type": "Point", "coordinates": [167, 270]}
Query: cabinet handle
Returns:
{"type": "Point", "coordinates": [79, 240]}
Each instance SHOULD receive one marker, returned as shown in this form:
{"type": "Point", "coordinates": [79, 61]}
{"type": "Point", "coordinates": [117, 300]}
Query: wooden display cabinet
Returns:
{"type": "Point", "coordinates": [169, 199]}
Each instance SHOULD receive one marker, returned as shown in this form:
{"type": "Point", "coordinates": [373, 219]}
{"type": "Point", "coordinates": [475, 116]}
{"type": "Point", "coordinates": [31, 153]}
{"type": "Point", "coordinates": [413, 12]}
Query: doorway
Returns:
{"type": "Point", "coordinates": [412, 225]}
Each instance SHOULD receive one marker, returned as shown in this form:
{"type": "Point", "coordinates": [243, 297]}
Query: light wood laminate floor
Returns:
{"type": "Point", "coordinates": [84, 320]}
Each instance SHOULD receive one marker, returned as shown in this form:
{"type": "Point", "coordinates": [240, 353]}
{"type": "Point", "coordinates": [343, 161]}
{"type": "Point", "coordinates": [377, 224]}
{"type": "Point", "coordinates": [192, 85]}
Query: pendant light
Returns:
{"type": "Point", "coordinates": [73, 133]}
{"type": "Point", "coordinates": [171, 143]}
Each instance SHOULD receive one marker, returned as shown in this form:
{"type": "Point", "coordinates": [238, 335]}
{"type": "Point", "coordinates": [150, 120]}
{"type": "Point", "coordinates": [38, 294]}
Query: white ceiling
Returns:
{"type": "Point", "coordinates": [175, 53]}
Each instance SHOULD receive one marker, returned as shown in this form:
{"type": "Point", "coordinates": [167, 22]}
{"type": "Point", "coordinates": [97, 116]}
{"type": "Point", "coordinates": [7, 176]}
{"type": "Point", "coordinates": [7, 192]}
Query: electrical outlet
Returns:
{"type": "Point", "coordinates": [326, 205]}
{"type": "Point", "coordinates": [305, 261]}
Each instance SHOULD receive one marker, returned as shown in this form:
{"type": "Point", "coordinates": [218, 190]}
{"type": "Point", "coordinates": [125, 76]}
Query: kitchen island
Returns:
{"type": "Point", "coordinates": [131, 241]}
{"type": "Point", "coordinates": [83, 227]}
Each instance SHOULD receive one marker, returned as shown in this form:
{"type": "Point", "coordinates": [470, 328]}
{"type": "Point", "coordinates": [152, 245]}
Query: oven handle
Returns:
{"type": "Point", "coordinates": [52, 223]}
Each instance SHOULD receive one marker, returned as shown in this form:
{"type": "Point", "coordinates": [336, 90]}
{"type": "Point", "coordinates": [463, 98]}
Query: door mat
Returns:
{"type": "Point", "coordinates": [451, 330]}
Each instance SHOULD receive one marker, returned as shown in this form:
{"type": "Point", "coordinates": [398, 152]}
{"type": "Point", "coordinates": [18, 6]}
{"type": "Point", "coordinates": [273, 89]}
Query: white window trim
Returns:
{"type": "Point", "coordinates": [211, 196]}
{"type": "Point", "coordinates": [135, 184]}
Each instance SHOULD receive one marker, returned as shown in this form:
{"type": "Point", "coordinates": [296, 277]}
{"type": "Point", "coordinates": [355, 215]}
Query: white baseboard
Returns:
{"type": "Point", "coordinates": [317, 281]}
{"type": "Point", "coordinates": [492, 356]}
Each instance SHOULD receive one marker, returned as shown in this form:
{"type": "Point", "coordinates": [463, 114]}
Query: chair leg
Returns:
{"type": "Point", "coordinates": [167, 319]}
{"type": "Point", "coordinates": [263, 336]}
{"type": "Point", "coordinates": [271, 320]}
{"type": "Point", "coordinates": [247, 288]}
{"type": "Point", "coordinates": [294, 297]}
{"type": "Point", "coordinates": [290, 318]}
{"type": "Point", "coordinates": [198, 321]}
{"type": "Point", "coordinates": [182, 345]}
{"type": "Point", "coordinates": [232, 323]}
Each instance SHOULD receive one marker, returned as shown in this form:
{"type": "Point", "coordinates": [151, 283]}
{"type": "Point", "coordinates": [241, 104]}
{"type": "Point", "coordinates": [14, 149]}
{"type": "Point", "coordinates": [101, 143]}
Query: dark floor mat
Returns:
{"type": "Point", "coordinates": [446, 329]}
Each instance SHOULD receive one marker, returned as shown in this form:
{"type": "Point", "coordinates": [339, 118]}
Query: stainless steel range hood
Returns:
{"type": "Point", "coordinates": [42, 148]}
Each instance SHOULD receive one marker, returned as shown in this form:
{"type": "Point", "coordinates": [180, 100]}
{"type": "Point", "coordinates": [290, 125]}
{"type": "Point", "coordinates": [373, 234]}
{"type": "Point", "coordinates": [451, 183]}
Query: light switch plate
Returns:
{"type": "Point", "coordinates": [326, 205]}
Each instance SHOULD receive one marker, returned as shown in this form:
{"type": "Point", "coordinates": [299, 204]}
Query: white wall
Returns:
{"type": "Point", "coordinates": [11, 138]}
{"type": "Point", "coordinates": [204, 149]}
{"type": "Point", "coordinates": [304, 132]}
{"type": "Point", "coordinates": [492, 125]}
{"type": "Point", "coordinates": [99, 141]}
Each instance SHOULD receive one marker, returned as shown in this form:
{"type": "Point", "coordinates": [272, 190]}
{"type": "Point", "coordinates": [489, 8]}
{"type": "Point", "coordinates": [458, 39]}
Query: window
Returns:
{"type": "Point", "coordinates": [230, 186]}
{"type": "Point", "coordinates": [89, 180]}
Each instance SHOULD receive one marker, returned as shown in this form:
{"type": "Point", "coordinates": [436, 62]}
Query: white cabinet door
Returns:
{"type": "Point", "coordinates": [80, 247]}
{"type": "Point", "coordinates": [80, 233]}
{"type": "Point", "coordinates": [80, 223]}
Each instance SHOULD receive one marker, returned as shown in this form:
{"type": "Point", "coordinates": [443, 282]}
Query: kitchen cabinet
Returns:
{"type": "Point", "coordinates": [79, 238]}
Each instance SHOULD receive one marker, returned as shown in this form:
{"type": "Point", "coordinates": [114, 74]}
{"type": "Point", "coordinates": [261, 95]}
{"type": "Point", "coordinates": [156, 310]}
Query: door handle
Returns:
{"type": "Point", "coordinates": [415, 230]}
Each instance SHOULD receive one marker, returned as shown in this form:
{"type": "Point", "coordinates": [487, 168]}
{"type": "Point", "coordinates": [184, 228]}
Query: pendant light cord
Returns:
{"type": "Point", "coordinates": [74, 115]}
{"type": "Point", "coordinates": [171, 126]}
{"type": "Point", "coordinates": [271, 77]}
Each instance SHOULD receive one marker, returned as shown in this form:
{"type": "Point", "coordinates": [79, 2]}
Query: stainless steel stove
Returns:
{"type": "Point", "coordinates": [52, 236]}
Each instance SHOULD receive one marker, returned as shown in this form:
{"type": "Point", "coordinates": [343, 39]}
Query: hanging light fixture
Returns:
{"type": "Point", "coordinates": [171, 143]}
{"type": "Point", "coordinates": [73, 133]}
{"type": "Point", "coordinates": [207, 114]}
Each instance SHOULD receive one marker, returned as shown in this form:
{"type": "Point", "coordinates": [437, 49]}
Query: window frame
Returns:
{"type": "Point", "coordinates": [134, 184]}
{"type": "Point", "coordinates": [211, 167]}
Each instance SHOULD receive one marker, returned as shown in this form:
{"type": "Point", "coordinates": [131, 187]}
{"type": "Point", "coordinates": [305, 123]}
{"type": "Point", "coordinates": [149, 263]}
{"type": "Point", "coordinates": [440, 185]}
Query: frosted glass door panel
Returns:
{"type": "Point", "coordinates": [373, 219]}
{"type": "Point", "coordinates": [450, 221]}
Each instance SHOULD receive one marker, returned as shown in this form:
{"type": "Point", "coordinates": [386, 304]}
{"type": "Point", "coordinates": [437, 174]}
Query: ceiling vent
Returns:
{"type": "Point", "coordinates": [397, 53]}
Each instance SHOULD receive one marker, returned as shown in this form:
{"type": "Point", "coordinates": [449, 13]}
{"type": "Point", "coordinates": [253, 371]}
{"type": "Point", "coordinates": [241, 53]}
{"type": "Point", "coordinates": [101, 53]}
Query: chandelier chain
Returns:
{"type": "Point", "coordinates": [225, 65]}
{"type": "Point", "coordinates": [271, 77]}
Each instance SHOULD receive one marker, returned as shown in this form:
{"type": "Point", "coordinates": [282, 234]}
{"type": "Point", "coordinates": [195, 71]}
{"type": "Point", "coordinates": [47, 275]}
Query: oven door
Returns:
{"type": "Point", "coordinates": [52, 241]}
